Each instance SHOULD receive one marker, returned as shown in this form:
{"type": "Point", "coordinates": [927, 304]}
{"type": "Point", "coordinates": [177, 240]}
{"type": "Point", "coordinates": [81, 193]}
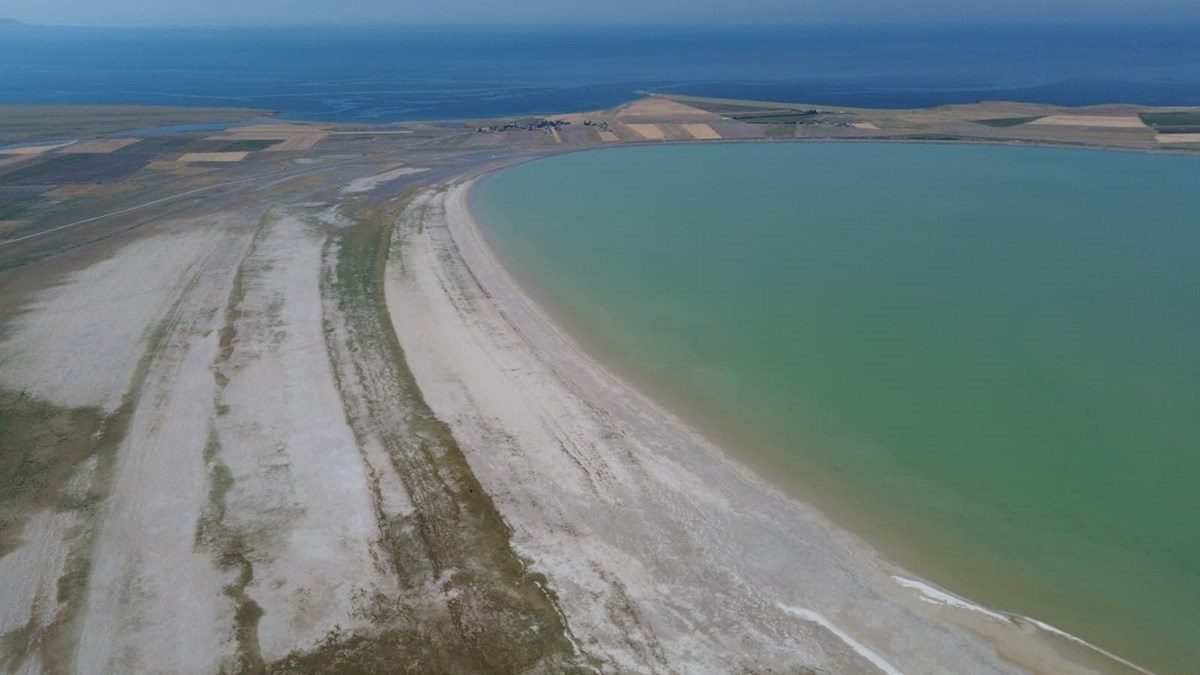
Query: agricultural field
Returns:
{"type": "Point", "coordinates": [78, 168]}
{"type": "Point", "coordinates": [1161, 120]}
{"type": "Point", "coordinates": [1005, 122]}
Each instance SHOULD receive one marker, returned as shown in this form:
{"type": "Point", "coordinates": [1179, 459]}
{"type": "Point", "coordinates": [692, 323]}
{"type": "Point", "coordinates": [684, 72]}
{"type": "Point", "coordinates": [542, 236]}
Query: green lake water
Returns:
{"type": "Point", "coordinates": [984, 359]}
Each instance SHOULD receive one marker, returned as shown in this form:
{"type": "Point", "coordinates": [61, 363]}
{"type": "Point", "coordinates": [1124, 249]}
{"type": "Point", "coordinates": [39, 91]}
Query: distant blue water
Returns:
{"type": "Point", "coordinates": [386, 74]}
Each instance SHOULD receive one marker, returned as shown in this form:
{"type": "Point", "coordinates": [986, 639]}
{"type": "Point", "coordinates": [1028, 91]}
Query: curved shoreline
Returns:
{"type": "Point", "coordinates": [1025, 642]}
{"type": "Point", "coordinates": [923, 589]}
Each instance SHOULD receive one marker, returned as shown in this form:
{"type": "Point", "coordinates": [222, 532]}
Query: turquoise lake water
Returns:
{"type": "Point", "coordinates": [985, 359]}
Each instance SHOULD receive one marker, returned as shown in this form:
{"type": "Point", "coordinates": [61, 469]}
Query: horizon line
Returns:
{"type": "Point", "coordinates": [590, 23]}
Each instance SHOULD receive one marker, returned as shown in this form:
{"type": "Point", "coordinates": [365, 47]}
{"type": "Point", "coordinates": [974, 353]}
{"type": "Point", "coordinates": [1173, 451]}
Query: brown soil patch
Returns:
{"type": "Point", "coordinates": [661, 108]}
{"type": "Point", "coordinates": [608, 136]}
{"type": "Point", "coordinates": [213, 157]}
{"type": "Point", "coordinates": [701, 132]}
{"type": "Point", "coordinates": [650, 132]}
{"type": "Point", "coordinates": [99, 146]}
{"type": "Point", "coordinates": [1178, 138]}
{"type": "Point", "coordinates": [1091, 121]}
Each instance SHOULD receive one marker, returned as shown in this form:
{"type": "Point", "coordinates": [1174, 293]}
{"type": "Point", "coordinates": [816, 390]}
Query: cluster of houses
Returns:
{"type": "Point", "coordinates": [536, 124]}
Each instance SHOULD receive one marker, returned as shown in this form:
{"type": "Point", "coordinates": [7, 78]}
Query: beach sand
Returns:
{"type": "Point", "coordinates": [623, 505]}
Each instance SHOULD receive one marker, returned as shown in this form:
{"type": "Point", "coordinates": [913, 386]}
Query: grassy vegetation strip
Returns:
{"type": "Point", "coordinates": [1005, 122]}
{"type": "Point", "coordinates": [22, 207]}
{"type": "Point", "coordinates": [217, 145]}
{"type": "Point", "coordinates": [469, 604]}
{"type": "Point", "coordinates": [41, 446]}
{"type": "Point", "coordinates": [21, 123]}
{"type": "Point", "coordinates": [229, 547]}
{"type": "Point", "coordinates": [1171, 119]}
{"type": "Point", "coordinates": [58, 443]}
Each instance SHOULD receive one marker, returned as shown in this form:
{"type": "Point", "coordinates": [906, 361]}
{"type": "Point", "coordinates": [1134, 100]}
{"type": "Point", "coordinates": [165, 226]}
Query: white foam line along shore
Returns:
{"type": "Point", "coordinates": [858, 647]}
{"type": "Point", "coordinates": [936, 596]}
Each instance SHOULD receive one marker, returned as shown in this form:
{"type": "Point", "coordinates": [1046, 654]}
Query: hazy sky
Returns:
{"type": "Point", "coordinates": [623, 11]}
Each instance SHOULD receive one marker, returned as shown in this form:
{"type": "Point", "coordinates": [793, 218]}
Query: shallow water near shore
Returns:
{"type": "Point", "coordinates": [982, 358]}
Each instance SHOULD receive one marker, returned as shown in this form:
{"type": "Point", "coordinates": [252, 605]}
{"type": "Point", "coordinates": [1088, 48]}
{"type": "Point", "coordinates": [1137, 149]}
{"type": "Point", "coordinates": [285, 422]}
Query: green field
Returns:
{"type": "Point", "coordinates": [1004, 122]}
{"type": "Point", "coordinates": [32, 123]}
{"type": "Point", "coordinates": [1171, 119]}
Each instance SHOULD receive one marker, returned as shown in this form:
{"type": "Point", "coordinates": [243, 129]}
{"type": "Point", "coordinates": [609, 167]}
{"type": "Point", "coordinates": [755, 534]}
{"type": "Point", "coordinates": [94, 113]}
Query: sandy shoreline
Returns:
{"type": "Point", "coordinates": [493, 365]}
{"type": "Point", "coordinates": [298, 395]}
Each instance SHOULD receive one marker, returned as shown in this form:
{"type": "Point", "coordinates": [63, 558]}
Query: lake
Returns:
{"type": "Point", "coordinates": [985, 359]}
